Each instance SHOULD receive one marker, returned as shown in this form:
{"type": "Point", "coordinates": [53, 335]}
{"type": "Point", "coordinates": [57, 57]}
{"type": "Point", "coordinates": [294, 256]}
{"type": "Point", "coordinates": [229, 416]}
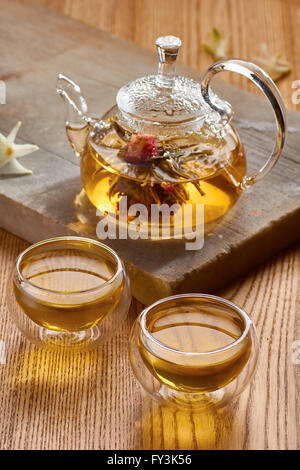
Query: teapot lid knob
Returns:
{"type": "Point", "coordinates": [167, 49]}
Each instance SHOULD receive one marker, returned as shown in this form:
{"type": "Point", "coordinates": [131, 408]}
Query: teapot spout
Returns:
{"type": "Point", "coordinates": [77, 121]}
{"type": "Point", "coordinates": [76, 106]}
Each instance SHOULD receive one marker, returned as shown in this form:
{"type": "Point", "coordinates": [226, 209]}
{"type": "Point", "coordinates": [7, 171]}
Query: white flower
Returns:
{"type": "Point", "coordinates": [274, 66]}
{"type": "Point", "coordinates": [9, 151]}
{"type": "Point", "coordinates": [217, 45]}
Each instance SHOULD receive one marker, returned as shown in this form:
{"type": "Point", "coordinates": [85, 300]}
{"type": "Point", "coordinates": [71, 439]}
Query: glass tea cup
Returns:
{"type": "Point", "coordinates": [68, 291]}
{"type": "Point", "coordinates": [193, 351]}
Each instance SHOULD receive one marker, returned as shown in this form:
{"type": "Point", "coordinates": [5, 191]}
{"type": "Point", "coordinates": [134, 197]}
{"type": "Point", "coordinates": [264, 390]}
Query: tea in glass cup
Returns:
{"type": "Point", "coordinates": [193, 350]}
{"type": "Point", "coordinates": [69, 290]}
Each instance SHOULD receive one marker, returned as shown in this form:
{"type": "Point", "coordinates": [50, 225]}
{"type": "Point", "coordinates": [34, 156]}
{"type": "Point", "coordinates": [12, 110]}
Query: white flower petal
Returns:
{"type": "Point", "coordinates": [3, 155]}
{"type": "Point", "coordinates": [3, 161]}
{"type": "Point", "coordinates": [13, 133]}
{"type": "Point", "coordinates": [21, 150]}
{"type": "Point", "coordinates": [217, 45]}
{"type": "Point", "coordinates": [274, 66]}
{"type": "Point", "coordinates": [9, 151]}
{"type": "Point", "coordinates": [15, 168]}
{"type": "Point", "coordinates": [2, 138]}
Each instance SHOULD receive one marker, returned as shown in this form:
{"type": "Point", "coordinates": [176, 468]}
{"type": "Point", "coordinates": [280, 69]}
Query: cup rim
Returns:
{"type": "Point", "coordinates": [224, 302]}
{"type": "Point", "coordinates": [70, 238]}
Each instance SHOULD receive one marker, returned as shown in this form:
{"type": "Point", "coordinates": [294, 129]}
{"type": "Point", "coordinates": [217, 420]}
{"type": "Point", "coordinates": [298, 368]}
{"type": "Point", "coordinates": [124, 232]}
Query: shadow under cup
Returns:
{"type": "Point", "coordinates": [193, 350]}
{"type": "Point", "coordinates": [68, 291]}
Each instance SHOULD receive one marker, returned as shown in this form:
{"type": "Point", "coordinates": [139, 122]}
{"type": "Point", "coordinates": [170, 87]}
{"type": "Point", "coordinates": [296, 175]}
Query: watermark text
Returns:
{"type": "Point", "coordinates": [2, 92]}
{"type": "Point", "coordinates": [2, 352]}
{"type": "Point", "coordinates": [160, 222]}
{"type": "Point", "coordinates": [296, 352]}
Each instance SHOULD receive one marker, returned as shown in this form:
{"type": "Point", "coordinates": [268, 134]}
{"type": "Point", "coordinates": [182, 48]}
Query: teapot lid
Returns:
{"type": "Point", "coordinates": [169, 107]}
{"type": "Point", "coordinates": [163, 98]}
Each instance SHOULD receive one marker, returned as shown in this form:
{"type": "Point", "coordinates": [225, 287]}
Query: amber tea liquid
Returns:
{"type": "Point", "coordinates": [220, 172]}
{"type": "Point", "coordinates": [63, 290]}
{"type": "Point", "coordinates": [194, 330]}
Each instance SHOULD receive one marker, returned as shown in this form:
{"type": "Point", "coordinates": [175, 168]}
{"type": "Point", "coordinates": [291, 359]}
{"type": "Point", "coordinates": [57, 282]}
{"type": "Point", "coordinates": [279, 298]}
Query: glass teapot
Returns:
{"type": "Point", "coordinates": [167, 141]}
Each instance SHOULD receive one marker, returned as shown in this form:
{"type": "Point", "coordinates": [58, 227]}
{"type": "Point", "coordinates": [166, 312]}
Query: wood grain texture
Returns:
{"type": "Point", "coordinates": [248, 23]}
{"type": "Point", "coordinates": [90, 400]}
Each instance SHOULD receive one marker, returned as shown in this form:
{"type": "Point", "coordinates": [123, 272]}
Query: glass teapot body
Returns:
{"type": "Point", "coordinates": [193, 168]}
{"type": "Point", "coordinates": [169, 147]}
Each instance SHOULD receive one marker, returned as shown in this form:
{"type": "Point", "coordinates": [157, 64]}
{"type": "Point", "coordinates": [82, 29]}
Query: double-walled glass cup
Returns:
{"type": "Point", "coordinates": [68, 291]}
{"type": "Point", "coordinates": [193, 350]}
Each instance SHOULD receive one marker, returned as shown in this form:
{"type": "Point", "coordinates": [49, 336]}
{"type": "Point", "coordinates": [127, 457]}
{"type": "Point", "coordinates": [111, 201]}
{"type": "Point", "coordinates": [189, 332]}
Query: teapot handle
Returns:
{"type": "Point", "coordinates": [270, 90]}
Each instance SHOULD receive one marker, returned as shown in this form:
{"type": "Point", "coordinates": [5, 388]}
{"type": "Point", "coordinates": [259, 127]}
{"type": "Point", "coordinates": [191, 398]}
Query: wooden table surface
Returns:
{"type": "Point", "coordinates": [61, 400]}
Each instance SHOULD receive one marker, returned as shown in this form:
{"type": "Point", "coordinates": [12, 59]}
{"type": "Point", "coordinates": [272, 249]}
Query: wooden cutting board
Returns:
{"type": "Point", "coordinates": [35, 45]}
